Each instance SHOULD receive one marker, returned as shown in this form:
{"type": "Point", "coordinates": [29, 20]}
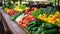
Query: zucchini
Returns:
{"type": "Point", "coordinates": [52, 31]}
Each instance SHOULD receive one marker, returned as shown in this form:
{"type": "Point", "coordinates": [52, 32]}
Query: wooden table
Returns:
{"type": "Point", "coordinates": [13, 26]}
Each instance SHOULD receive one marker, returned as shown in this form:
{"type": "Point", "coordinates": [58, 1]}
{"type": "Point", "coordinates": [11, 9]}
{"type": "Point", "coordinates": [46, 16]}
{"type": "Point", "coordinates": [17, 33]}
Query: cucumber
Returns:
{"type": "Point", "coordinates": [52, 31]}
{"type": "Point", "coordinates": [16, 15]}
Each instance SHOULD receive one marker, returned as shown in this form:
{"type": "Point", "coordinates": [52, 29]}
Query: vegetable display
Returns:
{"type": "Point", "coordinates": [34, 20]}
{"type": "Point", "coordinates": [25, 20]}
{"type": "Point", "coordinates": [37, 12]}
{"type": "Point", "coordinates": [41, 27]}
{"type": "Point", "coordinates": [52, 18]}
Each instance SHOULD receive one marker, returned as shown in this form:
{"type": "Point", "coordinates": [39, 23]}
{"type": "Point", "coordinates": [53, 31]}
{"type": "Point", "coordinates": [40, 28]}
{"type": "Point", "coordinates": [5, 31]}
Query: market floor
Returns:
{"type": "Point", "coordinates": [1, 28]}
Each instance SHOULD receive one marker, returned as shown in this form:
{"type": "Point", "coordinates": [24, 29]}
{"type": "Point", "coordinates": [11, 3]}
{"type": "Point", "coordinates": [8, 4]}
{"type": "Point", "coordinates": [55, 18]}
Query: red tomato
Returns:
{"type": "Point", "coordinates": [24, 17]}
{"type": "Point", "coordinates": [26, 11]}
{"type": "Point", "coordinates": [23, 25]}
{"type": "Point", "coordinates": [30, 16]}
{"type": "Point", "coordinates": [33, 19]}
{"type": "Point", "coordinates": [25, 21]}
{"type": "Point", "coordinates": [27, 18]}
{"type": "Point", "coordinates": [29, 13]}
{"type": "Point", "coordinates": [32, 9]}
{"type": "Point", "coordinates": [10, 13]}
{"type": "Point", "coordinates": [20, 22]}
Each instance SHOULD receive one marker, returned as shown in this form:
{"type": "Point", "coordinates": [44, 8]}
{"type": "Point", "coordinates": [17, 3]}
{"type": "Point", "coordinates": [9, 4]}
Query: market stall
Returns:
{"type": "Point", "coordinates": [32, 17]}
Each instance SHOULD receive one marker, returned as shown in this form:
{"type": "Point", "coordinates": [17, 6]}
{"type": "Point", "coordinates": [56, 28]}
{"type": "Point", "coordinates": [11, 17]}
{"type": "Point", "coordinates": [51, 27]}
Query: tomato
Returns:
{"type": "Point", "coordinates": [11, 12]}
{"type": "Point", "coordinates": [26, 12]}
{"type": "Point", "coordinates": [24, 21]}
{"type": "Point", "coordinates": [20, 22]}
{"type": "Point", "coordinates": [29, 13]}
{"type": "Point", "coordinates": [27, 18]}
{"type": "Point", "coordinates": [24, 17]}
{"type": "Point", "coordinates": [32, 9]}
{"type": "Point", "coordinates": [33, 19]}
{"type": "Point", "coordinates": [23, 25]}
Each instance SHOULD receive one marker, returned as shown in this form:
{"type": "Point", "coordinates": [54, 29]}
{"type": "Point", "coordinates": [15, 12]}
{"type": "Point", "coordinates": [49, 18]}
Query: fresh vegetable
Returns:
{"type": "Point", "coordinates": [33, 25]}
{"type": "Point", "coordinates": [15, 16]}
{"type": "Point", "coordinates": [6, 10]}
{"type": "Point", "coordinates": [50, 10]}
{"type": "Point", "coordinates": [5, 6]}
{"type": "Point", "coordinates": [39, 30]}
{"type": "Point", "coordinates": [25, 20]}
{"type": "Point", "coordinates": [12, 12]}
{"type": "Point", "coordinates": [11, 7]}
{"type": "Point", "coordinates": [36, 21]}
{"type": "Point", "coordinates": [52, 18]}
{"type": "Point", "coordinates": [52, 31]}
{"type": "Point", "coordinates": [41, 27]}
{"type": "Point", "coordinates": [20, 8]}
{"type": "Point", "coordinates": [49, 26]}
{"type": "Point", "coordinates": [29, 10]}
{"type": "Point", "coordinates": [20, 17]}
{"type": "Point", "coordinates": [37, 12]}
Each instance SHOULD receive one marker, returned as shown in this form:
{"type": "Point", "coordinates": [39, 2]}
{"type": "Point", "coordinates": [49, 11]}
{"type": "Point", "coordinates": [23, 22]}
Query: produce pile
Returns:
{"type": "Point", "coordinates": [41, 27]}
{"type": "Point", "coordinates": [11, 10]}
{"type": "Point", "coordinates": [48, 14]}
{"type": "Point", "coordinates": [34, 20]}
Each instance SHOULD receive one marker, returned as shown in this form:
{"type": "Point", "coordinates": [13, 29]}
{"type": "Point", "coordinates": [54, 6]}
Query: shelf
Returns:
{"type": "Point", "coordinates": [13, 26]}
